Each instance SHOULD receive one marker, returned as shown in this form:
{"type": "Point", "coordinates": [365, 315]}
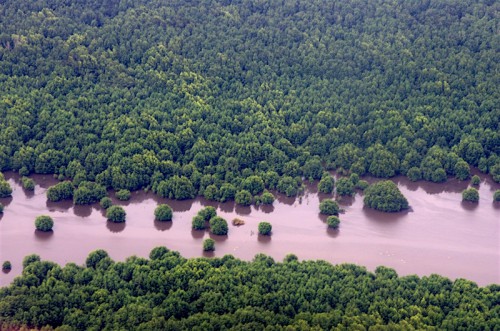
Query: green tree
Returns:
{"type": "Point", "coordinates": [329, 207]}
{"type": "Point", "coordinates": [6, 265]}
{"type": "Point", "coordinates": [462, 170]}
{"type": "Point", "coordinates": [496, 195]}
{"type": "Point", "coordinates": [253, 184]}
{"type": "Point", "coordinates": [5, 189]}
{"type": "Point", "coordinates": [28, 183]}
{"type": "Point", "coordinates": [209, 245]}
{"type": "Point", "coordinates": [106, 202]}
{"type": "Point", "coordinates": [475, 180]}
{"type": "Point", "coordinates": [243, 198]}
{"type": "Point", "coordinates": [414, 174]}
{"type": "Point", "coordinates": [326, 184]}
{"type": "Point", "coordinates": [1, 208]}
{"type": "Point", "coordinates": [95, 257]}
{"type": "Point", "coordinates": [60, 191]}
{"type": "Point", "coordinates": [88, 193]}
{"type": "Point", "coordinates": [116, 214]}
{"type": "Point", "coordinates": [267, 198]}
{"type": "Point", "coordinates": [198, 223]}
{"type": "Point", "coordinates": [218, 226]}
{"type": "Point", "coordinates": [385, 196]}
{"type": "Point", "coordinates": [345, 186]}
{"type": "Point", "coordinates": [470, 194]}
{"type": "Point", "coordinates": [163, 212]}
{"type": "Point", "coordinates": [265, 228]}
{"type": "Point", "coordinates": [44, 223]}
{"type": "Point", "coordinates": [123, 195]}
{"type": "Point", "coordinates": [208, 213]}
{"type": "Point", "coordinates": [333, 222]}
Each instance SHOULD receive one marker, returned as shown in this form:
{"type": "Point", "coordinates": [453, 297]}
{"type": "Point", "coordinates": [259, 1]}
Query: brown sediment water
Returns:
{"type": "Point", "coordinates": [439, 234]}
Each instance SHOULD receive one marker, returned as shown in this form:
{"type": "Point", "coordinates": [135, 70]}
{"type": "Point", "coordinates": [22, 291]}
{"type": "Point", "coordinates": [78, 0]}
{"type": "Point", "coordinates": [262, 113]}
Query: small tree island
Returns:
{"type": "Point", "coordinates": [44, 223]}
{"type": "Point", "coordinates": [385, 196]}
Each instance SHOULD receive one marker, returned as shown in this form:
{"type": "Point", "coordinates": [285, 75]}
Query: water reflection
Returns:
{"type": "Point", "coordinates": [267, 208]}
{"type": "Point", "coordinates": [43, 235]}
{"type": "Point", "coordinates": [209, 254]}
{"type": "Point", "coordinates": [218, 238]}
{"type": "Point", "coordinates": [263, 239]}
{"type": "Point", "coordinates": [82, 210]}
{"type": "Point", "coordinates": [332, 233]}
{"type": "Point", "coordinates": [384, 218]}
{"type": "Point", "coordinates": [162, 226]}
{"type": "Point", "coordinates": [197, 234]}
{"type": "Point", "coordinates": [6, 201]}
{"type": "Point", "coordinates": [63, 205]}
{"type": "Point", "coordinates": [28, 193]}
{"type": "Point", "coordinates": [115, 227]}
{"type": "Point", "coordinates": [469, 205]}
{"type": "Point", "coordinates": [243, 210]}
{"type": "Point", "coordinates": [227, 207]}
{"type": "Point", "coordinates": [180, 206]}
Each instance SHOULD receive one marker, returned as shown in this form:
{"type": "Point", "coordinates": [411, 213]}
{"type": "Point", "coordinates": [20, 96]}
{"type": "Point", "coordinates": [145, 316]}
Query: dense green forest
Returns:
{"type": "Point", "coordinates": [195, 97]}
{"type": "Point", "coordinates": [168, 292]}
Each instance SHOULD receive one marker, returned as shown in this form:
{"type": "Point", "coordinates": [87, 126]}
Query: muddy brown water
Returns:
{"type": "Point", "coordinates": [440, 234]}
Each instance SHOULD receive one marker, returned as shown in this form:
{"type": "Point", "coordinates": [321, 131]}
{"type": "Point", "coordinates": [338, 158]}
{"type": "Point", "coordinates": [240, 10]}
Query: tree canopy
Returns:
{"type": "Point", "coordinates": [168, 292]}
{"type": "Point", "coordinates": [385, 196]}
{"type": "Point", "coordinates": [215, 97]}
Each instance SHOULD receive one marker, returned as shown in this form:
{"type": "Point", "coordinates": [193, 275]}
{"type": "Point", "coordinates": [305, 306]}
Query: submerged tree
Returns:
{"type": "Point", "coordinates": [385, 196]}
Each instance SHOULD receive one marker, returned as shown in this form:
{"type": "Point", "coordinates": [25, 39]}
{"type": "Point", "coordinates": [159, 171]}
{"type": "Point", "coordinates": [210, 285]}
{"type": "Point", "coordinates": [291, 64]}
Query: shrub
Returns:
{"type": "Point", "coordinates": [106, 202]}
{"type": "Point", "coordinates": [267, 198]}
{"type": "Point", "coordinates": [209, 245]}
{"type": "Point", "coordinates": [414, 174]}
{"type": "Point", "coordinates": [163, 213]}
{"type": "Point", "coordinates": [44, 223]}
{"type": "Point", "coordinates": [116, 214]}
{"type": "Point", "coordinates": [6, 265]}
{"type": "Point", "coordinates": [496, 195]}
{"type": "Point", "coordinates": [362, 185]}
{"type": "Point", "coordinates": [470, 194]}
{"type": "Point", "coordinates": [123, 195]}
{"type": "Point", "coordinates": [198, 223]}
{"type": "Point", "coordinates": [218, 226]}
{"type": "Point", "coordinates": [326, 184]}
{"type": "Point", "coordinates": [88, 192]}
{"type": "Point", "coordinates": [385, 196]}
{"type": "Point", "coordinates": [28, 183]}
{"type": "Point", "coordinates": [475, 180]}
{"type": "Point", "coordinates": [333, 222]}
{"type": "Point", "coordinates": [243, 198]}
{"type": "Point", "coordinates": [29, 259]}
{"type": "Point", "coordinates": [5, 189]}
{"type": "Point", "coordinates": [1, 208]}
{"type": "Point", "coordinates": [265, 228]}
{"type": "Point", "coordinates": [60, 191]}
{"type": "Point", "coordinates": [207, 213]}
{"type": "Point", "coordinates": [345, 186]}
{"type": "Point", "coordinates": [329, 207]}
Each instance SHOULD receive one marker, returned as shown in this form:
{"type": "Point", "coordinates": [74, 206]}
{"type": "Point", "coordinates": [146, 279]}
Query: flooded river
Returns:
{"type": "Point", "coordinates": [440, 234]}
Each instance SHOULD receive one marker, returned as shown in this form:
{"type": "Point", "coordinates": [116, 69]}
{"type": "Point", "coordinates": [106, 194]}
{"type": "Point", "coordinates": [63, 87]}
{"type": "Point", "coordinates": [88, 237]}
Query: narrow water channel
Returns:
{"type": "Point", "coordinates": [440, 234]}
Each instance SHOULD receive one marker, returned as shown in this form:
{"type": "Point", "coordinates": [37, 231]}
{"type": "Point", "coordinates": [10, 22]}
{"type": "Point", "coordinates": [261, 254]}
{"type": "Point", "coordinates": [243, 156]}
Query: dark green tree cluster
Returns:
{"type": "Point", "coordinates": [265, 228]}
{"type": "Point", "coordinates": [163, 213]}
{"type": "Point", "coordinates": [123, 195]}
{"type": "Point", "coordinates": [329, 207]}
{"type": "Point", "coordinates": [116, 214]}
{"type": "Point", "coordinates": [203, 216]}
{"type": "Point", "coordinates": [168, 292]}
{"type": "Point", "coordinates": [60, 191]}
{"type": "Point", "coordinates": [1, 208]}
{"type": "Point", "coordinates": [215, 97]}
{"type": "Point", "coordinates": [44, 223]}
{"type": "Point", "coordinates": [209, 245]}
{"type": "Point", "coordinates": [5, 189]}
{"type": "Point", "coordinates": [333, 222]}
{"type": "Point", "coordinates": [218, 226]}
{"type": "Point", "coordinates": [496, 196]}
{"type": "Point", "coordinates": [471, 194]}
{"type": "Point", "coordinates": [28, 183]}
{"type": "Point", "coordinates": [385, 196]}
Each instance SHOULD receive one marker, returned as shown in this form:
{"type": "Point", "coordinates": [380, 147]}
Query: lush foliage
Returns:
{"type": "Point", "coordinates": [106, 202]}
{"type": "Point", "coordinates": [326, 184]}
{"type": "Point", "coordinates": [198, 223]}
{"type": "Point", "coordinates": [496, 195]}
{"type": "Point", "coordinates": [475, 180]}
{"type": "Point", "coordinates": [116, 214]}
{"type": "Point", "coordinates": [88, 193]}
{"type": "Point", "coordinates": [385, 196]}
{"type": "Point", "coordinates": [44, 223]}
{"type": "Point", "coordinates": [181, 97]}
{"type": "Point", "coordinates": [265, 228]}
{"type": "Point", "coordinates": [28, 183]}
{"type": "Point", "coordinates": [266, 198]}
{"type": "Point", "coordinates": [333, 222]}
{"type": "Point", "coordinates": [168, 292]}
{"type": "Point", "coordinates": [163, 212]}
{"type": "Point", "coordinates": [5, 189]}
{"type": "Point", "coordinates": [345, 186]}
{"type": "Point", "coordinates": [329, 207]}
{"type": "Point", "coordinates": [208, 213]}
{"type": "Point", "coordinates": [208, 245]}
{"type": "Point", "coordinates": [60, 191]}
{"type": "Point", "coordinates": [218, 226]}
{"type": "Point", "coordinates": [243, 198]}
{"type": "Point", "coordinates": [470, 194]}
{"type": "Point", "coordinates": [123, 195]}
{"type": "Point", "coordinates": [6, 265]}
{"type": "Point", "coordinates": [1, 207]}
